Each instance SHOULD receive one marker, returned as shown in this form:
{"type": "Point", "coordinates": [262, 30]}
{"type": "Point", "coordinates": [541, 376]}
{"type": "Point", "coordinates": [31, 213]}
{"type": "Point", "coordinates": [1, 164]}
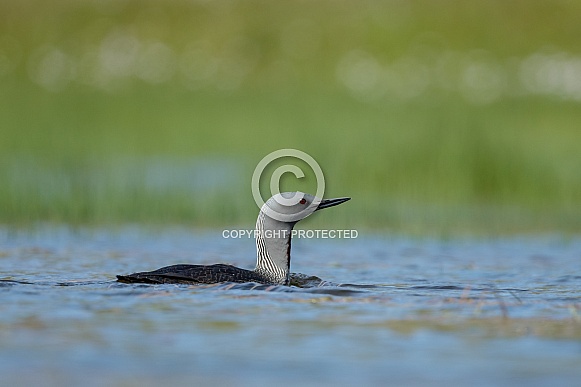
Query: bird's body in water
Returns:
{"type": "Point", "coordinates": [273, 233]}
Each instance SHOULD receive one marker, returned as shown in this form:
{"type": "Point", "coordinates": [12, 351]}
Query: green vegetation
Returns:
{"type": "Point", "coordinates": [435, 117]}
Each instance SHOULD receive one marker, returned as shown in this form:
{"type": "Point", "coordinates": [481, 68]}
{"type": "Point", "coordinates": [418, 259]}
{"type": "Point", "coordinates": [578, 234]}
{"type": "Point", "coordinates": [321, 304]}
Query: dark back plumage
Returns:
{"type": "Point", "coordinates": [188, 274]}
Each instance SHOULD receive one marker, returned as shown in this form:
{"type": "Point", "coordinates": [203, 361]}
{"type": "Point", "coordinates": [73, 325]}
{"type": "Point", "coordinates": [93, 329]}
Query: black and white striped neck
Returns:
{"type": "Point", "coordinates": [273, 246]}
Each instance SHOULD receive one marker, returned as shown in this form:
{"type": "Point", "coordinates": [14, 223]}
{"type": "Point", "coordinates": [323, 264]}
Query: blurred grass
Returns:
{"type": "Point", "coordinates": [108, 106]}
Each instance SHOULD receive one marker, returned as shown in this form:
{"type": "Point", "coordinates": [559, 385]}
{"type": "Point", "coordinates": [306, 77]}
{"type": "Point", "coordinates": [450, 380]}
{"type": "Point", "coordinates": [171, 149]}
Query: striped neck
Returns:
{"type": "Point", "coordinates": [273, 245]}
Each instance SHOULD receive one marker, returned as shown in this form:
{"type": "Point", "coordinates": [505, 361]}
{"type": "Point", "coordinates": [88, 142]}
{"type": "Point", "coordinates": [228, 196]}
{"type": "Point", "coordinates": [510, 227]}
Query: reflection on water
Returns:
{"type": "Point", "coordinates": [389, 309]}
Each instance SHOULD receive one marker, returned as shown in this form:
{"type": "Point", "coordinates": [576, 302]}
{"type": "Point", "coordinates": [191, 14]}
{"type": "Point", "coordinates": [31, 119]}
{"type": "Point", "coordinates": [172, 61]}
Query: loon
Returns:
{"type": "Point", "coordinates": [274, 226]}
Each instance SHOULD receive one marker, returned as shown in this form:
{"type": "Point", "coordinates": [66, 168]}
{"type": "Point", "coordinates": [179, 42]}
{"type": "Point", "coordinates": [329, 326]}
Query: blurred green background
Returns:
{"type": "Point", "coordinates": [435, 116]}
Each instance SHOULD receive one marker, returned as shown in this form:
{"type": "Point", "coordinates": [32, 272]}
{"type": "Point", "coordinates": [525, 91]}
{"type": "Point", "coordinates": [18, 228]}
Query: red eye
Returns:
{"type": "Point", "coordinates": [303, 201]}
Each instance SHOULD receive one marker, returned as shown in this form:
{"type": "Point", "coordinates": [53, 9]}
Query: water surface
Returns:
{"type": "Point", "coordinates": [393, 310]}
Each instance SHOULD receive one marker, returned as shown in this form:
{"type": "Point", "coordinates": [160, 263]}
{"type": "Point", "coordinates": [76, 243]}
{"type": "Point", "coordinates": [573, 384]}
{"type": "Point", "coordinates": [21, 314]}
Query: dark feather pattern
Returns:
{"type": "Point", "coordinates": [195, 274]}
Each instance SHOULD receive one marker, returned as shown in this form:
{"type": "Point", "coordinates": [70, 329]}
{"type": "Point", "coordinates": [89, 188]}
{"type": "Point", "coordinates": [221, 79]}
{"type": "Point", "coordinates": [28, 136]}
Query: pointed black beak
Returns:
{"type": "Point", "coordinates": [326, 203]}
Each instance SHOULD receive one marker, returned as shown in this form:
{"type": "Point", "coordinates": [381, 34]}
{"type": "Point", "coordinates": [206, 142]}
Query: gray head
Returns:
{"type": "Point", "coordinates": [274, 227]}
